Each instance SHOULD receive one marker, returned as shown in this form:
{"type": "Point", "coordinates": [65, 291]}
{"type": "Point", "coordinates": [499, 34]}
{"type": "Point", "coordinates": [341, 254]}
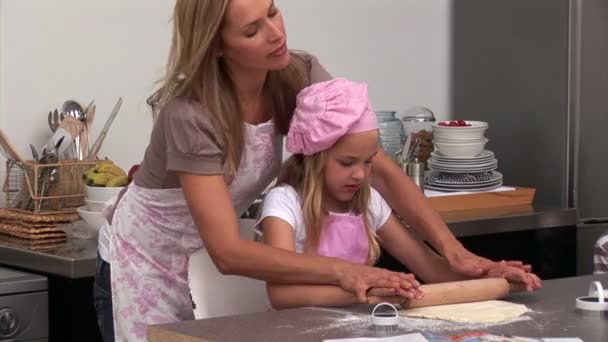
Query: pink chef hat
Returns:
{"type": "Point", "coordinates": [325, 112]}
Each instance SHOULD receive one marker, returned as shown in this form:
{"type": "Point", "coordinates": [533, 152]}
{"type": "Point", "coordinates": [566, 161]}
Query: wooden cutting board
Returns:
{"type": "Point", "coordinates": [519, 196]}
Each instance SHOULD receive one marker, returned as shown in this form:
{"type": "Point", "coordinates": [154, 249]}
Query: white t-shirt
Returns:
{"type": "Point", "coordinates": [284, 202]}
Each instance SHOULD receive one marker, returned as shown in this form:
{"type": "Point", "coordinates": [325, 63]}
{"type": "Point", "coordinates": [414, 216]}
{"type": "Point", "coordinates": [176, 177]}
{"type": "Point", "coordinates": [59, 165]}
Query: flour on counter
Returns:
{"type": "Point", "coordinates": [360, 324]}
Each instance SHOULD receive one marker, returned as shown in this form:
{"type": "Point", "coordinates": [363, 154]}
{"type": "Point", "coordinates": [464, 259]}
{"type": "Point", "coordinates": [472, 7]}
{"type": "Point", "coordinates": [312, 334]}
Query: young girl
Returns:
{"type": "Point", "coordinates": [324, 204]}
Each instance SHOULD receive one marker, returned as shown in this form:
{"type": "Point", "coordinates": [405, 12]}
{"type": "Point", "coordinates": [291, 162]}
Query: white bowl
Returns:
{"type": "Point", "coordinates": [461, 150]}
{"type": "Point", "coordinates": [474, 132]}
{"type": "Point", "coordinates": [93, 219]}
{"type": "Point", "coordinates": [96, 206]}
{"type": "Point", "coordinates": [457, 141]}
{"type": "Point", "coordinates": [100, 193]}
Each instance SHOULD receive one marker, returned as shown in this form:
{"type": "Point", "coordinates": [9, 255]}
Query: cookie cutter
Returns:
{"type": "Point", "coordinates": [595, 303]}
{"type": "Point", "coordinates": [385, 321]}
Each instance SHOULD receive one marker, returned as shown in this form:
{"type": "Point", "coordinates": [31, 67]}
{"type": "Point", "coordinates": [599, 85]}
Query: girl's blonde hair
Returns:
{"type": "Point", "coordinates": [305, 175]}
{"type": "Point", "coordinates": [196, 70]}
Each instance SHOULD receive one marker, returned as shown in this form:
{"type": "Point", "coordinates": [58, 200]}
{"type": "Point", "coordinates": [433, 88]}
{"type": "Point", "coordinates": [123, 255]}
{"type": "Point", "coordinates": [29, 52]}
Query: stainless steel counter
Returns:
{"type": "Point", "coordinates": [73, 259]}
{"type": "Point", "coordinates": [76, 258]}
{"type": "Point", "coordinates": [553, 315]}
{"type": "Point", "coordinates": [476, 222]}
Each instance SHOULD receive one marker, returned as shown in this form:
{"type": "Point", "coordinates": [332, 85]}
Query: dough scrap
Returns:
{"type": "Point", "coordinates": [490, 311]}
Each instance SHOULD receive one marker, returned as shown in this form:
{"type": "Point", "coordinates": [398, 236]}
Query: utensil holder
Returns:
{"type": "Point", "coordinates": [65, 194]}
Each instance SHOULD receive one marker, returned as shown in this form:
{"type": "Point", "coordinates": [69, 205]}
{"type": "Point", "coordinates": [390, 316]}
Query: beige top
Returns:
{"type": "Point", "coordinates": [185, 140]}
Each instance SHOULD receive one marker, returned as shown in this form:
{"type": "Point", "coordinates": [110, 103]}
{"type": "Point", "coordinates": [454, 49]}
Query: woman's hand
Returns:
{"type": "Point", "coordinates": [463, 262]}
{"type": "Point", "coordinates": [378, 295]}
{"type": "Point", "coordinates": [516, 275]}
{"type": "Point", "coordinates": [358, 279]}
{"type": "Point", "coordinates": [466, 263]}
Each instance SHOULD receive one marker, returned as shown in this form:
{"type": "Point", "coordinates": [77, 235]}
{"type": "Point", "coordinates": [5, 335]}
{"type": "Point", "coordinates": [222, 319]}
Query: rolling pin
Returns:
{"type": "Point", "coordinates": [461, 292]}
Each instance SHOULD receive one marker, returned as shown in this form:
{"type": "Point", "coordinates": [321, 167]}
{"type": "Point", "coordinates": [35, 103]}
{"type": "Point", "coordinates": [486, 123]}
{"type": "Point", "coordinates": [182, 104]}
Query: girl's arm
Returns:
{"type": "Point", "coordinates": [410, 204]}
{"type": "Point", "coordinates": [211, 208]}
{"type": "Point", "coordinates": [279, 234]}
{"type": "Point", "coordinates": [433, 268]}
{"type": "Point", "coordinates": [294, 296]}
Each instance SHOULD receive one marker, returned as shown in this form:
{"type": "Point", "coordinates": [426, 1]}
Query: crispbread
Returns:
{"type": "Point", "coordinates": [33, 236]}
{"type": "Point", "coordinates": [6, 213]}
{"type": "Point", "coordinates": [20, 241]}
{"type": "Point", "coordinates": [36, 245]}
{"type": "Point", "coordinates": [4, 227]}
{"type": "Point", "coordinates": [27, 224]}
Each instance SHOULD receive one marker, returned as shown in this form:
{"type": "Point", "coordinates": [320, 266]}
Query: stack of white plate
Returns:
{"type": "Point", "coordinates": [459, 162]}
{"type": "Point", "coordinates": [463, 173]}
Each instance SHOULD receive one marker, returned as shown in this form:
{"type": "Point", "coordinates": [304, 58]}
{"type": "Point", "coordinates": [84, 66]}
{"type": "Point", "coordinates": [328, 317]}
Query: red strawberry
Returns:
{"type": "Point", "coordinates": [453, 123]}
{"type": "Point", "coordinates": [461, 123]}
{"type": "Point", "coordinates": [442, 124]}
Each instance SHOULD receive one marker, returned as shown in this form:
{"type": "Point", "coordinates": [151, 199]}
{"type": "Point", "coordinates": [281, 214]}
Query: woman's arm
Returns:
{"type": "Point", "coordinates": [409, 203]}
{"type": "Point", "coordinates": [433, 268]}
{"type": "Point", "coordinates": [414, 254]}
{"type": "Point", "coordinates": [213, 214]}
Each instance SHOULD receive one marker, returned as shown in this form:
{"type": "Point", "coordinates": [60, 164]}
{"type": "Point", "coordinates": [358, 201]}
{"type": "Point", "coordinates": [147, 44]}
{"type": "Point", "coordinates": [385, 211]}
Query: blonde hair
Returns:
{"type": "Point", "coordinates": [196, 70]}
{"type": "Point", "coordinates": [305, 175]}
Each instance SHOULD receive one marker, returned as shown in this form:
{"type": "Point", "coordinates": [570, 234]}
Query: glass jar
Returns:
{"type": "Point", "coordinates": [391, 131]}
{"type": "Point", "coordinates": [418, 122]}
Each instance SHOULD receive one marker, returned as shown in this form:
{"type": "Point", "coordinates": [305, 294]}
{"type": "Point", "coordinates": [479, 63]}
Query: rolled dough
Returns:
{"type": "Point", "coordinates": [490, 311]}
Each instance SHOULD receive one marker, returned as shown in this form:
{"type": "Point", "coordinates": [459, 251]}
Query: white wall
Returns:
{"type": "Point", "coordinates": [57, 50]}
{"type": "Point", "coordinates": [51, 51]}
{"type": "Point", "coordinates": [400, 47]}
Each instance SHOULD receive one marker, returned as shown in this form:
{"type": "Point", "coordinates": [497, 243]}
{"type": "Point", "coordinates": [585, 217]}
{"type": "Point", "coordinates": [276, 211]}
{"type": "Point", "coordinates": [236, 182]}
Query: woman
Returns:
{"type": "Point", "coordinates": [230, 87]}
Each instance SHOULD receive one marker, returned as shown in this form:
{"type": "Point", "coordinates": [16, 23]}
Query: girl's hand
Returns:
{"type": "Point", "coordinates": [358, 279]}
{"type": "Point", "coordinates": [516, 274]}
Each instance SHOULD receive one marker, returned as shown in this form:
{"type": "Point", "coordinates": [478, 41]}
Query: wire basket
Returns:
{"type": "Point", "coordinates": [46, 187]}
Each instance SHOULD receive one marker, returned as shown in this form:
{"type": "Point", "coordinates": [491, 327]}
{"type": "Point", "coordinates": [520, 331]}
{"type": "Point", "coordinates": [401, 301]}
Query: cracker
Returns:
{"type": "Point", "coordinates": [13, 214]}
{"type": "Point", "coordinates": [28, 230]}
{"type": "Point", "coordinates": [27, 242]}
{"type": "Point", "coordinates": [36, 245]}
{"type": "Point", "coordinates": [26, 224]}
{"type": "Point", "coordinates": [33, 236]}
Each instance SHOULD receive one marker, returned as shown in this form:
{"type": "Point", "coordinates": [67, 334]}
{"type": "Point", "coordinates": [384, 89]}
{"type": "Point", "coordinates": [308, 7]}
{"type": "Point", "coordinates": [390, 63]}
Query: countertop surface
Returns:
{"type": "Point", "coordinates": [76, 257]}
{"type": "Point", "coordinates": [507, 219]}
{"type": "Point", "coordinates": [552, 314]}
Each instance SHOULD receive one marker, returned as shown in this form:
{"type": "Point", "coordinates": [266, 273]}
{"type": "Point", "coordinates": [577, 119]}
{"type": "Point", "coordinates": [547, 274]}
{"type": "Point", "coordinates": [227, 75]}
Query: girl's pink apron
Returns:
{"type": "Point", "coordinates": [152, 234]}
{"type": "Point", "coordinates": [344, 236]}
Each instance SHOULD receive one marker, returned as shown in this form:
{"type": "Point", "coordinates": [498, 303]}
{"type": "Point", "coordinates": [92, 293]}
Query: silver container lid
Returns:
{"type": "Point", "coordinates": [418, 114]}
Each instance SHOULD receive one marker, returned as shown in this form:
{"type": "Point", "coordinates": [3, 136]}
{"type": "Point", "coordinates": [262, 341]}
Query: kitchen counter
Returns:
{"type": "Point", "coordinates": [69, 268]}
{"type": "Point", "coordinates": [553, 315]}
{"type": "Point", "coordinates": [76, 258]}
{"type": "Point", "coordinates": [477, 222]}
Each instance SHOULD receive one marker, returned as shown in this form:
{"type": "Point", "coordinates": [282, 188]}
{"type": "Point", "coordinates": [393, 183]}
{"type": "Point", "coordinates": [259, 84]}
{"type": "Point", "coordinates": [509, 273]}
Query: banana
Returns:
{"type": "Point", "coordinates": [91, 170]}
{"type": "Point", "coordinates": [87, 175]}
{"type": "Point", "coordinates": [94, 168]}
{"type": "Point", "coordinates": [118, 181]}
{"type": "Point", "coordinates": [111, 169]}
{"type": "Point", "coordinates": [99, 179]}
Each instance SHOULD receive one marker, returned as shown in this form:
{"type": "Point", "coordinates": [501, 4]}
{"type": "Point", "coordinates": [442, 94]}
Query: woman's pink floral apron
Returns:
{"type": "Point", "coordinates": [152, 235]}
